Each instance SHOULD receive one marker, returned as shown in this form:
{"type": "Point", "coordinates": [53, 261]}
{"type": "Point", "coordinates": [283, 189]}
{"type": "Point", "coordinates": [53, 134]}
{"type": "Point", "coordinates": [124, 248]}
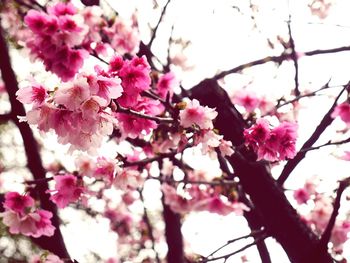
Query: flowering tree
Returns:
{"type": "Point", "coordinates": [112, 90]}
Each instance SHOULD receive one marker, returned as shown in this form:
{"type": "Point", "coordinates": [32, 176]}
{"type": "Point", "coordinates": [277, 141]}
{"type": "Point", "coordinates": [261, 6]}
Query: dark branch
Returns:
{"type": "Point", "coordinates": [55, 244]}
{"type": "Point", "coordinates": [336, 205]}
{"type": "Point", "coordinates": [279, 60]}
{"type": "Point", "coordinates": [278, 217]}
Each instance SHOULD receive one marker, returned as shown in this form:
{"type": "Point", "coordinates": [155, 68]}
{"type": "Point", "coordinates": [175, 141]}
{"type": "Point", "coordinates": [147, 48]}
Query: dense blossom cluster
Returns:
{"type": "Point", "coordinates": [272, 144]}
{"type": "Point", "coordinates": [63, 37]}
{"type": "Point", "coordinates": [79, 111]}
{"type": "Point", "coordinates": [22, 218]}
{"type": "Point", "coordinates": [130, 102]}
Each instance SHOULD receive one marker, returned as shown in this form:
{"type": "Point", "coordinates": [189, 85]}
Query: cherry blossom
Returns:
{"type": "Point", "coordinates": [195, 114]}
{"type": "Point", "coordinates": [67, 190]}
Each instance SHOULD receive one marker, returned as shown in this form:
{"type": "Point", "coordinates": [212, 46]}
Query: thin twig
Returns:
{"type": "Point", "coordinates": [159, 21]}
{"type": "Point", "coordinates": [235, 252]}
{"type": "Point", "coordinates": [329, 143]}
{"type": "Point", "coordinates": [149, 226]}
{"type": "Point", "coordinates": [252, 234]}
{"type": "Point", "coordinates": [143, 115]}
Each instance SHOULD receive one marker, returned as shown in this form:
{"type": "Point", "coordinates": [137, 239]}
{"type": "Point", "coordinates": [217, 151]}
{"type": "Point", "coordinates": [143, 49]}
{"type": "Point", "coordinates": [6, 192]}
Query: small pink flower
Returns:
{"type": "Point", "coordinates": [343, 111]}
{"type": "Point", "coordinates": [66, 190]}
{"type": "Point", "coordinates": [36, 21]}
{"type": "Point", "coordinates": [226, 147]}
{"type": "Point", "coordinates": [73, 96]}
{"type": "Point", "coordinates": [166, 84]}
{"type": "Point", "coordinates": [196, 114]}
{"type": "Point", "coordinates": [247, 99]}
{"type": "Point", "coordinates": [106, 169]}
{"type": "Point", "coordinates": [17, 203]}
{"type": "Point", "coordinates": [35, 94]}
{"type": "Point", "coordinates": [44, 225]}
{"type": "Point", "coordinates": [61, 9]}
{"type": "Point", "coordinates": [301, 196]}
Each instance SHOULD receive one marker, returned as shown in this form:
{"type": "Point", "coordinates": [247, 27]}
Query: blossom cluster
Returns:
{"type": "Point", "coordinates": [81, 113]}
{"type": "Point", "coordinates": [63, 37]}
{"type": "Point", "coordinates": [22, 218]}
{"type": "Point", "coordinates": [56, 36]}
{"type": "Point", "coordinates": [275, 144]}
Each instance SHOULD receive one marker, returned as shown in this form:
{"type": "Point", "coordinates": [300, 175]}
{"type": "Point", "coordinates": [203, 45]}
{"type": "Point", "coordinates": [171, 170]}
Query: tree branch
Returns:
{"type": "Point", "coordinates": [278, 59]}
{"type": "Point", "coordinates": [159, 21]}
{"type": "Point", "coordinates": [325, 122]}
{"type": "Point", "coordinates": [336, 205]}
{"type": "Point", "coordinates": [54, 244]}
{"type": "Point", "coordinates": [278, 217]}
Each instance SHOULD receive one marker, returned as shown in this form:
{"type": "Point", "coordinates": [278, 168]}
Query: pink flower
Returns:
{"type": "Point", "coordinates": [166, 84]}
{"type": "Point", "coordinates": [37, 21]}
{"type": "Point", "coordinates": [195, 114]}
{"type": "Point", "coordinates": [17, 203]}
{"type": "Point", "coordinates": [128, 179]}
{"type": "Point", "coordinates": [346, 156]}
{"type": "Point", "coordinates": [272, 145]}
{"type": "Point", "coordinates": [73, 96]}
{"type": "Point", "coordinates": [343, 111]}
{"type": "Point", "coordinates": [301, 196]}
{"type": "Point", "coordinates": [106, 169]}
{"type": "Point", "coordinates": [61, 9]}
{"type": "Point", "coordinates": [226, 147]}
{"type": "Point", "coordinates": [257, 134]}
{"type": "Point", "coordinates": [44, 225]}
{"type": "Point", "coordinates": [25, 225]}
{"type": "Point", "coordinates": [66, 190]}
{"type": "Point", "coordinates": [135, 79]}
{"type": "Point", "coordinates": [123, 38]}
{"type": "Point", "coordinates": [247, 99]}
{"type": "Point", "coordinates": [208, 139]}
{"type": "Point", "coordinates": [35, 94]}
{"type": "Point", "coordinates": [105, 86]}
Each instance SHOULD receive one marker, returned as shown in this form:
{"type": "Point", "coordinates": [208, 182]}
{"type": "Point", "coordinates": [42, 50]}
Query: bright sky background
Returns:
{"type": "Point", "coordinates": [222, 38]}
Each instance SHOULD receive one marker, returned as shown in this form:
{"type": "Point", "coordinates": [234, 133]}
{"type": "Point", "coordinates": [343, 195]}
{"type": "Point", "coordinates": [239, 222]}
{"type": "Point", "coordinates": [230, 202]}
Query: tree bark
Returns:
{"type": "Point", "coordinates": [278, 217]}
{"type": "Point", "coordinates": [54, 244]}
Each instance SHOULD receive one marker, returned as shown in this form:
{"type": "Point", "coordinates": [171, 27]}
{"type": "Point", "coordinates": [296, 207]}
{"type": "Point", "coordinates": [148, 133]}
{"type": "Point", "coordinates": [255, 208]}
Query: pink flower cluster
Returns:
{"type": "Point", "coordinates": [122, 37]}
{"type": "Point", "coordinates": [21, 218]}
{"type": "Point", "coordinates": [56, 36]}
{"type": "Point", "coordinates": [275, 144]}
{"type": "Point", "coordinates": [68, 189]}
{"type": "Point", "coordinates": [77, 111]}
{"type": "Point", "coordinates": [199, 198]}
